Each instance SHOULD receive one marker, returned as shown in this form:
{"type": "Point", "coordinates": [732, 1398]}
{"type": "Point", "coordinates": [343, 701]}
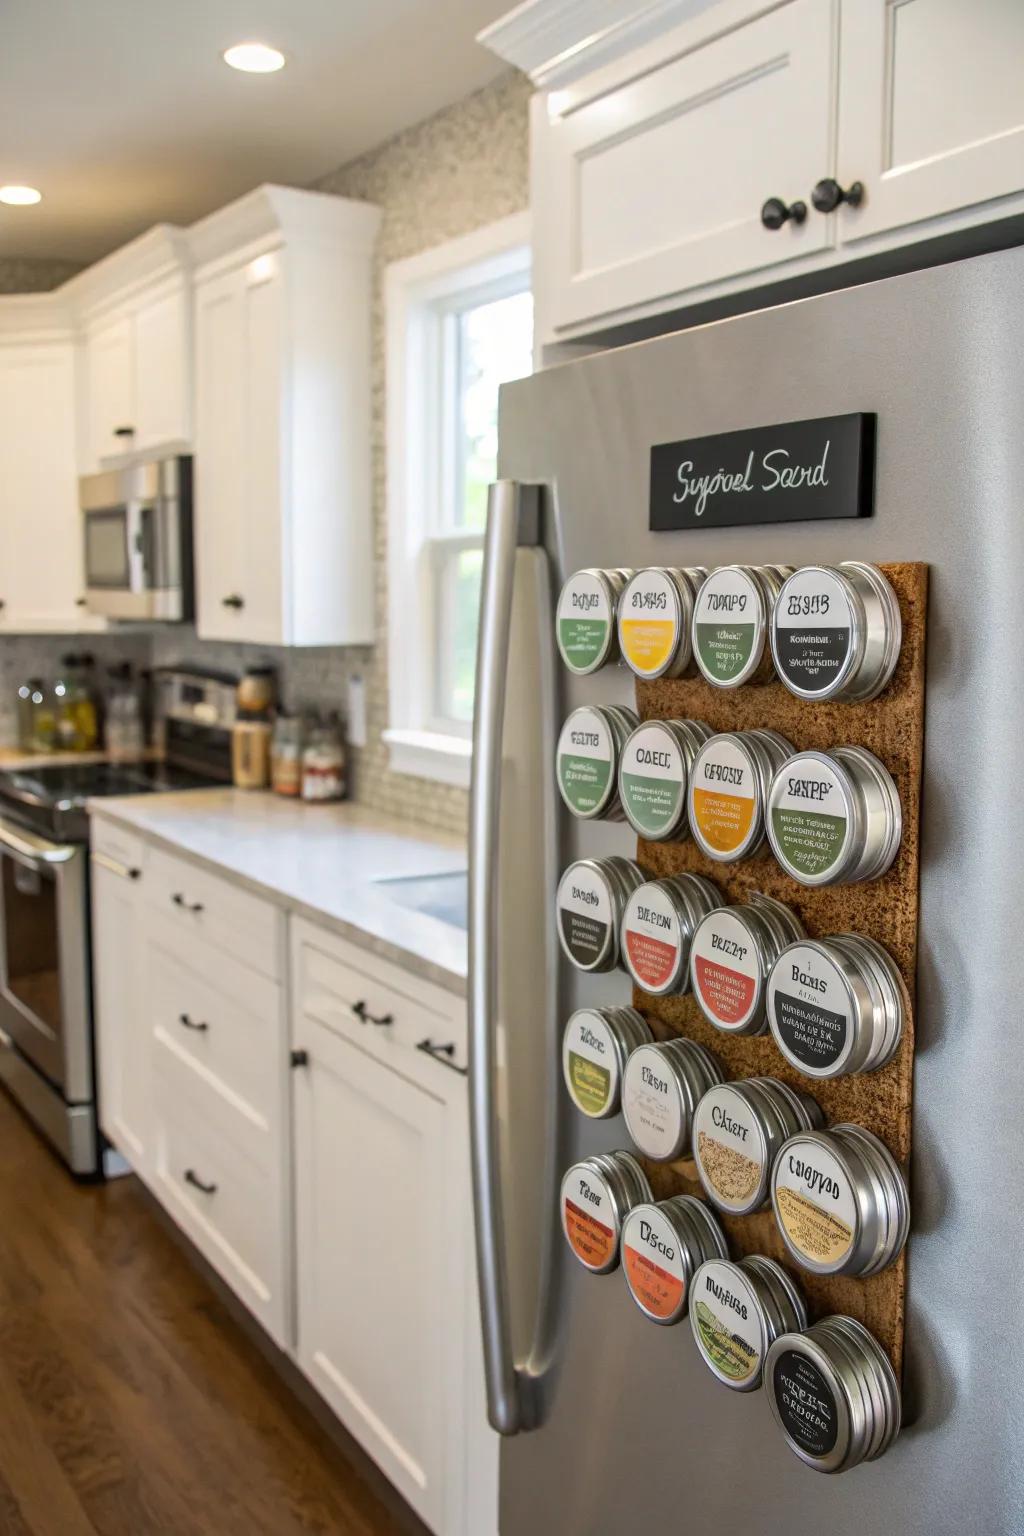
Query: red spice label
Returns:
{"type": "Point", "coordinates": [592, 1242]}
{"type": "Point", "coordinates": [651, 961]}
{"type": "Point", "coordinates": [725, 994]}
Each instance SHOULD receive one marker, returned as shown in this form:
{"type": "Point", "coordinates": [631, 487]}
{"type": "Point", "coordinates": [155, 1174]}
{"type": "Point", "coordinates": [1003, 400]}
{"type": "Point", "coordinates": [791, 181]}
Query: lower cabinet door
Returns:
{"type": "Point", "coordinates": [122, 1028]}
{"type": "Point", "coordinates": [374, 1310]}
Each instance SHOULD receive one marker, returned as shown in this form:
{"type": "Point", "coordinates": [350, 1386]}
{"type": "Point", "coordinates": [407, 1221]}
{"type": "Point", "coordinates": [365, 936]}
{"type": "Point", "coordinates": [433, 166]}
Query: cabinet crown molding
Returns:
{"type": "Point", "coordinates": [555, 41]}
{"type": "Point", "coordinates": [161, 252]}
{"type": "Point", "coordinates": [35, 317]}
{"type": "Point", "coordinates": [286, 212]}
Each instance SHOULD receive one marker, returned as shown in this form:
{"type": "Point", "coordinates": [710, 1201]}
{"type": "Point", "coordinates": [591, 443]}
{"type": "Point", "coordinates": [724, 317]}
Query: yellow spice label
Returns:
{"type": "Point", "coordinates": [819, 1234]}
{"type": "Point", "coordinates": [724, 820]}
{"type": "Point", "coordinates": [647, 644]}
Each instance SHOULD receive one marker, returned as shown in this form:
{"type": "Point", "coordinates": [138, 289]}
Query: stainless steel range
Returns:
{"type": "Point", "coordinates": [46, 1038]}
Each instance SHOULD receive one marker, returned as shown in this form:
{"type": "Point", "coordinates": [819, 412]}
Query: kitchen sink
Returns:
{"type": "Point", "coordinates": [444, 897]}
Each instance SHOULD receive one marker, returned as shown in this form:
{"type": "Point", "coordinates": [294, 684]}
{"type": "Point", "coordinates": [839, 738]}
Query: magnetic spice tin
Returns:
{"type": "Point", "coordinates": [834, 818]}
{"type": "Point", "coordinates": [654, 771]}
{"type": "Point", "coordinates": [729, 785]}
{"type": "Point", "coordinates": [658, 921]}
{"type": "Point", "coordinates": [833, 1393]}
{"type": "Point", "coordinates": [840, 1200]}
{"type": "Point", "coordinates": [661, 1087]}
{"type": "Point", "coordinates": [737, 1311]}
{"type": "Point", "coordinates": [585, 619]}
{"type": "Point", "coordinates": [739, 1129]}
{"type": "Point", "coordinates": [732, 622]}
{"type": "Point", "coordinates": [590, 901]}
{"type": "Point", "coordinates": [837, 1005]}
{"type": "Point", "coordinates": [655, 612]}
{"type": "Point", "coordinates": [662, 1246]}
{"type": "Point", "coordinates": [597, 1195]}
{"type": "Point", "coordinates": [836, 631]}
{"type": "Point", "coordinates": [595, 1046]}
{"type": "Point", "coordinates": [732, 953]}
{"type": "Point", "coordinates": [589, 747]}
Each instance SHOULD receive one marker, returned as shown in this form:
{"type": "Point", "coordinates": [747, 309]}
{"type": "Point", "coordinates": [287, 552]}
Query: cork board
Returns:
{"type": "Point", "coordinates": [891, 726]}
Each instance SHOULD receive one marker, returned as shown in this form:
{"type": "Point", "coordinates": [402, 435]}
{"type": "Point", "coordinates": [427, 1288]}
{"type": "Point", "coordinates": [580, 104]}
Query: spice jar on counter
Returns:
{"type": "Point", "coordinates": [323, 762]}
{"type": "Point", "coordinates": [286, 755]}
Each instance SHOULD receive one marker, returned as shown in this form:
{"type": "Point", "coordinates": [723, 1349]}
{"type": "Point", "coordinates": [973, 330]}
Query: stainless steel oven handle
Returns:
{"type": "Point", "coordinates": [512, 522]}
{"type": "Point", "coordinates": [32, 848]}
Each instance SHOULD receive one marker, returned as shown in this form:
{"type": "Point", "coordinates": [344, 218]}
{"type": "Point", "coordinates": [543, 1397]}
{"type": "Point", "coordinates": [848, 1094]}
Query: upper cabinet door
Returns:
{"type": "Point", "coordinates": [161, 370]}
{"type": "Point", "coordinates": [931, 109]}
{"type": "Point", "coordinates": [650, 176]}
{"type": "Point", "coordinates": [110, 389]}
{"type": "Point", "coordinates": [220, 443]}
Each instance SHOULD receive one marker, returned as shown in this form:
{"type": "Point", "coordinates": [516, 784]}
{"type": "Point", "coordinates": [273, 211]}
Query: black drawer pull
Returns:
{"type": "Point", "coordinates": [188, 906]}
{"type": "Point", "coordinates": [363, 1013]}
{"type": "Point", "coordinates": [442, 1053]}
{"type": "Point", "coordinates": [197, 1024]}
{"type": "Point", "coordinates": [233, 600]}
{"type": "Point", "coordinates": [191, 1177]}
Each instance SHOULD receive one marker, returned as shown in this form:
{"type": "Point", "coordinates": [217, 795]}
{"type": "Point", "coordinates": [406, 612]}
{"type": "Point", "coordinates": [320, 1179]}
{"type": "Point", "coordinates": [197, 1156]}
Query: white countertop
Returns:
{"type": "Point", "coordinates": [325, 862]}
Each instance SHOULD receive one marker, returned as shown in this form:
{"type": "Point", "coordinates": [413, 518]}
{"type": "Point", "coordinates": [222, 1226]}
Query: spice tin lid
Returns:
{"type": "Point", "coordinates": [657, 1262]}
{"type": "Point", "coordinates": [834, 817]}
{"type": "Point", "coordinates": [661, 1086]}
{"type": "Point", "coordinates": [589, 902]}
{"type": "Point", "coordinates": [653, 769]}
{"type": "Point", "coordinates": [596, 1195]}
{"type": "Point", "coordinates": [732, 1149]}
{"type": "Point", "coordinates": [840, 1201]}
{"type": "Point", "coordinates": [727, 970]}
{"type": "Point", "coordinates": [836, 631]}
{"type": "Point", "coordinates": [654, 616]}
{"type": "Point", "coordinates": [833, 1393]}
{"type": "Point", "coordinates": [730, 623]}
{"type": "Point", "coordinates": [657, 923]}
{"type": "Point", "coordinates": [728, 785]}
{"type": "Point", "coordinates": [836, 1005]}
{"type": "Point", "coordinates": [585, 619]}
{"type": "Point", "coordinates": [595, 1045]}
{"type": "Point", "coordinates": [587, 760]}
{"type": "Point", "coordinates": [730, 1323]}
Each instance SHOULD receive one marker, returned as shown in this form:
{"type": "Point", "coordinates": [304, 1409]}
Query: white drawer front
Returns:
{"type": "Point", "coordinates": [207, 906]}
{"type": "Point", "coordinates": [116, 845]}
{"type": "Point", "coordinates": [371, 1002]}
{"type": "Point", "coordinates": [221, 1020]}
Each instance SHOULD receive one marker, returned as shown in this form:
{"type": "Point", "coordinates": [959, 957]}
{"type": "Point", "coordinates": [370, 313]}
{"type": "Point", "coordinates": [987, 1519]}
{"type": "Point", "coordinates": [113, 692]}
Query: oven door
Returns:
{"type": "Point", "coordinates": [44, 958]}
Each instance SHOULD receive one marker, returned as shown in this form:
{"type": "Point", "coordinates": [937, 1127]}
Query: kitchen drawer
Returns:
{"type": "Point", "coordinates": [225, 1201]}
{"type": "Point", "coordinates": [221, 1019]}
{"type": "Point", "coordinates": [206, 906]}
{"type": "Point", "coordinates": [110, 842]}
{"type": "Point", "coordinates": [346, 989]}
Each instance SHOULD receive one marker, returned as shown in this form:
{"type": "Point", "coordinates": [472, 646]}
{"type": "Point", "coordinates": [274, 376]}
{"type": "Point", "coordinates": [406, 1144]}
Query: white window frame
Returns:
{"type": "Point", "coordinates": [423, 294]}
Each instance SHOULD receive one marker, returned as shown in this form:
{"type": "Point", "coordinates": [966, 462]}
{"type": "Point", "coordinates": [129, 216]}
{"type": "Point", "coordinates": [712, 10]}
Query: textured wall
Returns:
{"type": "Point", "coordinates": [29, 274]}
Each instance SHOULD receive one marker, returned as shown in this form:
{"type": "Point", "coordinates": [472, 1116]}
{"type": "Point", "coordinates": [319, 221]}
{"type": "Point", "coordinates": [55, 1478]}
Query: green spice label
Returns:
{"type": "Point", "coordinates": [726, 1321]}
{"type": "Point", "coordinates": [813, 630]}
{"type": "Point", "coordinates": [728, 627]}
{"type": "Point", "coordinates": [652, 781]}
{"type": "Point", "coordinates": [586, 756]}
{"type": "Point", "coordinates": [589, 1063]}
{"type": "Point", "coordinates": [584, 622]}
{"type": "Point", "coordinates": [808, 815]}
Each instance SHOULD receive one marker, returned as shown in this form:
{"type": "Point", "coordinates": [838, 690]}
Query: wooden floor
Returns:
{"type": "Point", "coordinates": [131, 1402]}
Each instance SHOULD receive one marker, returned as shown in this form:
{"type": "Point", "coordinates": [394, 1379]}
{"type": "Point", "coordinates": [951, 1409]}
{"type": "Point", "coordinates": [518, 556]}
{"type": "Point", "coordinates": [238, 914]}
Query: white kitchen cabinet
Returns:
{"type": "Point", "coordinates": [931, 112]}
{"type": "Point", "coordinates": [41, 572]}
{"type": "Point", "coordinates": [122, 1027]}
{"type": "Point", "coordinates": [651, 184]}
{"type": "Point", "coordinates": [282, 439]}
{"type": "Point", "coordinates": [388, 1326]}
{"type": "Point", "coordinates": [134, 309]}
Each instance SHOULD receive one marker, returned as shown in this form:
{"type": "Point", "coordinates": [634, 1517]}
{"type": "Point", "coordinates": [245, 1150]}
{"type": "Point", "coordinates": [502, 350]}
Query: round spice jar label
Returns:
{"type": "Point", "coordinates": [725, 1315]}
{"type": "Point", "coordinates": [652, 780]}
{"type": "Point", "coordinates": [651, 938]}
{"type": "Point", "coordinates": [729, 1148]}
{"type": "Point", "coordinates": [814, 1204]}
{"type": "Point", "coordinates": [586, 755]}
{"type": "Point", "coordinates": [652, 1263]}
{"type": "Point", "coordinates": [809, 815]}
{"type": "Point", "coordinates": [649, 622]}
{"type": "Point", "coordinates": [813, 630]}
{"type": "Point", "coordinates": [653, 1105]}
{"type": "Point", "coordinates": [725, 970]}
{"type": "Point", "coordinates": [723, 797]}
{"type": "Point", "coordinates": [728, 627]}
{"type": "Point", "coordinates": [806, 1403]}
{"type": "Point", "coordinates": [584, 916]}
{"type": "Point", "coordinates": [588, 1218]}
{"type": "Point", "coordinates": [589, 1062]}
{"type": "Point", "coordinates": [809, 1007]}
{"type": "Point", "coordinates": [584, 622]}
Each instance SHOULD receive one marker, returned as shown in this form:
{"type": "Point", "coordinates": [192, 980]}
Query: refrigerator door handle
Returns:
{"type": "Point", "coordinates": [513, 521]}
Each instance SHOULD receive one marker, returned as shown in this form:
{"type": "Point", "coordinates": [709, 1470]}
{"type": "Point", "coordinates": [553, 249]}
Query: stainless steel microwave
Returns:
{"type": "Point", "coordinates": [137, 531]}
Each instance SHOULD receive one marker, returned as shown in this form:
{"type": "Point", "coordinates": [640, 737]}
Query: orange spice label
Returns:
{"type": "Point", "coordinates": [647, 644]}
{"type": "Point", "coordinates": [724, 820]}
{"type": "Point", "coordinates": [592, 1242]}
{"type": "Point", "coordinates": [660, 1291]}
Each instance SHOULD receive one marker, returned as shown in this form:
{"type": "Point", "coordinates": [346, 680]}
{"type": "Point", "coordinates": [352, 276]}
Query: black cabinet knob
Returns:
{"type": "Point", "coordinates": [299, 1058]}
{"type": "Point", "coordinates": [233, 600]}
{"type": "Point", "coordinates": [775, 212]}
{"type": "Point", "coordinates": [828, 194]}
{"type": "Point", "coordinates": [124, 431]}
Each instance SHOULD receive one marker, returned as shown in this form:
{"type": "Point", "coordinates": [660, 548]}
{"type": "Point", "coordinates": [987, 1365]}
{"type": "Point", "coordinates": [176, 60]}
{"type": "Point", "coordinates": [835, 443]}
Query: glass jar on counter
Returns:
{"type": "Point", "coordinates": [323, 762]}
{"type": "Point", "coordinates": [286, 755]}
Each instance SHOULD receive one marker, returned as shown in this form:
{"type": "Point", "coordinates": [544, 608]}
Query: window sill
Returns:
{"type": "Point", "coordinates": [429, 755]}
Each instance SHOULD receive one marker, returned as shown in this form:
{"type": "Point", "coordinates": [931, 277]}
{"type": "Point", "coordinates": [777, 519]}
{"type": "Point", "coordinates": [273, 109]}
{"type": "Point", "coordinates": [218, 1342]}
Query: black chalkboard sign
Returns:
{"type": "Point", "coordinates": [789, 473]}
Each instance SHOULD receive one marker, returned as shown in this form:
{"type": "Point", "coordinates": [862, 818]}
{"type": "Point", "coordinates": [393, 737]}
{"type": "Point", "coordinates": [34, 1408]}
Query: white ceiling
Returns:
{"type": "Point", "coordinates": [122, 113]}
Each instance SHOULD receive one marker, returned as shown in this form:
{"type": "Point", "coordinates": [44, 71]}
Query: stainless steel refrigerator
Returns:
{"type": "Point", "coordinates": [611, 1425]}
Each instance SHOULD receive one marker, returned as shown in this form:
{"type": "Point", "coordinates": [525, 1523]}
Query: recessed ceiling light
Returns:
{"type": "Point", "coordinates": [20, 197]}
{"type": "Point", "coordinates": [254, 58]}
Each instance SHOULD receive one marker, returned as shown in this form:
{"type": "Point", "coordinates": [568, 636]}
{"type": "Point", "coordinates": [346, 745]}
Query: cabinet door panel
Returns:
{"type": "Point", "coordinates": [263, 537]}
{"type": "Point", "coordinates": [220, 439]}
{"type": "Point", "coordinates": [371, 1250]}
{"type": "Point", "coordinates": [110, 388]}
{"type": "Point", "coordinates": [931, 109]}
{"type": "Point", "coordinates": [122, 1024]}
{"type": "Point", "coordinates": [654, 187]}
{"type": "Point", "coordinates": [161, 371]}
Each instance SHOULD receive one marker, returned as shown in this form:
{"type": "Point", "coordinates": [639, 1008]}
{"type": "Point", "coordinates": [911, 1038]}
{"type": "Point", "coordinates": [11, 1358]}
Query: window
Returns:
{"type": "Point", "coordinates": [460, 324]}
